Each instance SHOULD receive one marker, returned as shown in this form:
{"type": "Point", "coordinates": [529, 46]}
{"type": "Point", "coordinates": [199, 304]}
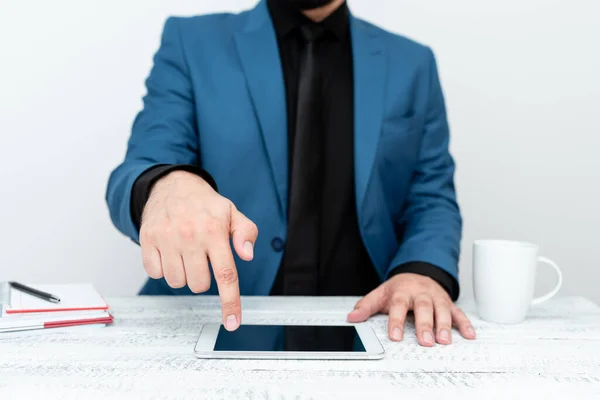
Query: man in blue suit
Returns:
{"type": "Point", "coordinates": [323, 131]}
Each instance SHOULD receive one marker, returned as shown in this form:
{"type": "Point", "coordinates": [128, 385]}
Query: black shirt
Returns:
{"type": "Point", "coordinates": [345, 267]}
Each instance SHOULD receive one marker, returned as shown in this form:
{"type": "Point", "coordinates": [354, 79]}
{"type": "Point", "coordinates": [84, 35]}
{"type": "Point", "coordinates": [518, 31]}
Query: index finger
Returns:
{"type": "Point", "coordinates": [223, 265]}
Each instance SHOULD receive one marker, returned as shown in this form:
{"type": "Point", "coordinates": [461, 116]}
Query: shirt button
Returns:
{"type": "Point", "coordinates": [277, 244]}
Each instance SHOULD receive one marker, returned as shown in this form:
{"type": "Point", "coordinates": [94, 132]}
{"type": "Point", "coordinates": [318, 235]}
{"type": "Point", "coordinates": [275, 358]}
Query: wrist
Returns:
{"type": "Point", "coordinates": [180, 175]}
{"type": "Point", "coordinates": [180, 178]}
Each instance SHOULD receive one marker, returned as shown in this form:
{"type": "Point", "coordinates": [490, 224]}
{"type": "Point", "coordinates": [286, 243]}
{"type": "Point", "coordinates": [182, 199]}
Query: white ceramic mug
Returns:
{"type": "Point", "coordinates": [504, 275]}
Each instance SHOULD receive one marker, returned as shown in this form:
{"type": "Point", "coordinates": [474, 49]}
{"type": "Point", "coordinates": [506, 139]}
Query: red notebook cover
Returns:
{"type": "Point", "coordinates": [62, 324]}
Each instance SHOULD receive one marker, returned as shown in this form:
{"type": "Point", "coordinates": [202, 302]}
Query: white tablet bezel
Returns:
{"type": "Point", "coordinates": [208, 336]}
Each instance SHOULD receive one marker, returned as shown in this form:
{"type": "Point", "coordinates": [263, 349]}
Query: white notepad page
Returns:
{"type": "Point", "coordinates": [73, 297]}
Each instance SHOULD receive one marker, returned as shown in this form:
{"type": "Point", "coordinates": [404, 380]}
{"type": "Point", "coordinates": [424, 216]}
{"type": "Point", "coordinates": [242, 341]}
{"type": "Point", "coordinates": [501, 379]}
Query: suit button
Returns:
{"type": "Point", "coordinates": [277, 244]}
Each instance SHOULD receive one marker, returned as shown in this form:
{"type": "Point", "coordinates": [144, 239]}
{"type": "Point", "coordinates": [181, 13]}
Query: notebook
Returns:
{"type": "Point", "coordinates": [73, 297]}
{"type": "Point", "coordinates": [80, 304]}
{"type": "Point", "coordinates": [26, 324]}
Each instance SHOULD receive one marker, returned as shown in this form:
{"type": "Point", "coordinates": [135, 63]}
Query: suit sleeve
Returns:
{"type": "Point", "coordinates": [163, 133]}
{"type": "Point", "coordinates": [431, 224]}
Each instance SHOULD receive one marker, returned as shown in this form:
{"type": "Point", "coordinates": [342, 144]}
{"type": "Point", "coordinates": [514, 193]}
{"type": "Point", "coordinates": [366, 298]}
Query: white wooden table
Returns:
{"type": "Point", "coordinates": [147, 354]}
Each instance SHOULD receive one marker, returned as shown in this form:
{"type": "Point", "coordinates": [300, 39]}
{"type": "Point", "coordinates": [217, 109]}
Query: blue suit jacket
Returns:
{"type": "Point", "coordinates": [216, 96]}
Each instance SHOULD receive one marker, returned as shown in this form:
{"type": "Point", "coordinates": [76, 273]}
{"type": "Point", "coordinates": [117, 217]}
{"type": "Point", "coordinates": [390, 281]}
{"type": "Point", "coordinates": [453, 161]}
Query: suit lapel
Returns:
{"type": "Point", "coordinates": [258, 51]}
{"type": "Point", "coordinates": [369, 92]}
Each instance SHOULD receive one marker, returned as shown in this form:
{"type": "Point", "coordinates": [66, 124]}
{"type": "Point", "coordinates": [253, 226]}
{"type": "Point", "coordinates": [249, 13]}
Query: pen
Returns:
{"type": "Point", "coordinates": [34, 292]}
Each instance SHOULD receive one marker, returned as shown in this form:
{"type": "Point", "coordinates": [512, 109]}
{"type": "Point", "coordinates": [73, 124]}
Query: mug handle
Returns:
{"type": "Point", "coordinates": [553, 292]}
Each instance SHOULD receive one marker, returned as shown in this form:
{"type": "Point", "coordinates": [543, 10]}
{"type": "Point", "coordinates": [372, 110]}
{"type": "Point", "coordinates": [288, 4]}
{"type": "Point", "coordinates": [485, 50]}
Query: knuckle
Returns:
{"type": "Point", "coordinates": [187, 230]}
{"type": "Point", "coordinates": [155, 274]}
{"type": "Point", "coordinates": [253, 229]}
{"type": "Point", "coordinates": [175, 280]}
{"type": "Point", "coordinates": [225, 208]}
{"type": "Point", "coordinates": [443, 304]}
{"type": "Point", "coordinates": [443, 325]}
{"type": "Point", "coordinates": [458, 314]}
{"type": "Point", "coordinates": [166, 232]}
{"type": "Point", "coordinates": [148, 262]}
{"type": "Point", "coordinates": [228, 205]}
{"type": "Point", "coordinates": [399, 300]}
{"type": "Point", "coordinates": [426, 326]}
{"type": "Point", "coordinates": [423, 303]}
{"type": "Point", "coordinates": [230, 305]}
{"type": "Point", "coordinates": [180, 207]}
{"type": "Point", "coordinates": [199, 287]}
{"type": "Point", "coordinates": [152, 271]}
{"type": "Point", "coordinates": [396, 323]}
{"type": "Point", "coordinates": [148, 234]}
{"type": "Point", "coordinates": [227, 276]}
{"type": "Point", "coordinates": [462, 323]}
{"type": "Point", "coordinates": [397, 319]}
{"type": "Point", "coordinates": [456, 309]}
{"type": "Point", "coordinates": [463, 326]}
{"type": "Point", "coordinates": [223, 201]}
{"type": "Point", "coordinates": [213, 227]}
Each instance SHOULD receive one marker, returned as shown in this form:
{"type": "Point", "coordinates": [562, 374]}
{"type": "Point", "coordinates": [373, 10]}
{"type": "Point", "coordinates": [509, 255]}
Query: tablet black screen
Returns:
{"type": "Point", "coordinates": [290, 338]}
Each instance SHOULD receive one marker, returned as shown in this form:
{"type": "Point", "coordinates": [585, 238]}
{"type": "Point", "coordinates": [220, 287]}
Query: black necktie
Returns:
{"type": "Point", "coordinates": [302, 248]}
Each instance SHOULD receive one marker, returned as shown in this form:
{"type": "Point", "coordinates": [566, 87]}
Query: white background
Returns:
{"type": "Point", "coordinates": [522, 83]}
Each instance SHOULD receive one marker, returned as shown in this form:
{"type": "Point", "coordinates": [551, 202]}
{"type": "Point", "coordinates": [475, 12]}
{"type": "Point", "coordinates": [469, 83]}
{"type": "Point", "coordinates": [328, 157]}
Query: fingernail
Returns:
{"type": "Point", "coordinates": [352, 313]}
{"type": "Point", "coordinates": [428, 338]}
{"type": "Point", "coordinates": [396, 334]}
{"type": "Point", "coordinates": [471, 331]}
{"type": "Point", "coordinates": [231, 323]}
{"type": "Point", "coordinates": [249, 249]}
{"type": "Point", "coordinates": [444, 335]}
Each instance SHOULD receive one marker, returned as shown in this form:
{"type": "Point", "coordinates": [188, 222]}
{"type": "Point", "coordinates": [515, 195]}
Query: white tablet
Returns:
{"type": "Point", "coordinates": [317, 342]}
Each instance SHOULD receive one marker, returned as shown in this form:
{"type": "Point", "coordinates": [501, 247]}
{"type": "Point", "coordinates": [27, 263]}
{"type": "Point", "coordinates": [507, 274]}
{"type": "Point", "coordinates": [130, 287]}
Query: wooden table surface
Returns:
{"type": "Point", "coordinates": [148, 354]}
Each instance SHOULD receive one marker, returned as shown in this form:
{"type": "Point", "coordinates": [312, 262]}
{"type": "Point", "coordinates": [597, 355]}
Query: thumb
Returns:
{"type": "Point", "coordinates": [369, 305]}
{"type": "Point", "coordinates": [243, 234]}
